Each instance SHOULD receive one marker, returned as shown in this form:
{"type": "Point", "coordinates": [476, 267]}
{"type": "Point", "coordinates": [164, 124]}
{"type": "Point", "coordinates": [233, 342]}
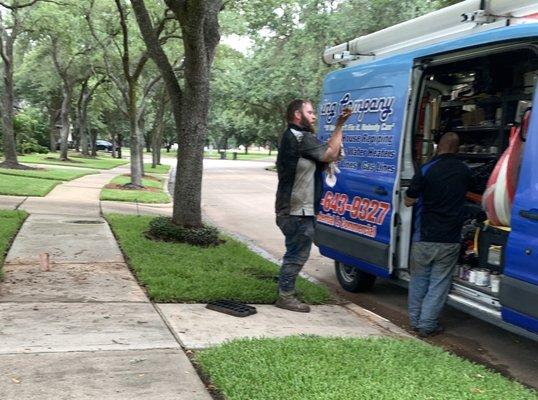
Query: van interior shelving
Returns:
{"type": "Point", "coordinates": [480, 99]}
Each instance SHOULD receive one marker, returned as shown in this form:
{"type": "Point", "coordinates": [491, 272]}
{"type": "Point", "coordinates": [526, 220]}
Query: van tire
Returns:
{"type": "Point", "coordinates": [353, 279]}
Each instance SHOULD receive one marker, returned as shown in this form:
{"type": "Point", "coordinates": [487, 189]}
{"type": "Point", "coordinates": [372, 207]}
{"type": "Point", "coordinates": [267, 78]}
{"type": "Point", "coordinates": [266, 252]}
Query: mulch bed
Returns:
{"type": "Point", "coordinates": [121, 187]}
{"type": "Point", "coordinates": [148, 177]}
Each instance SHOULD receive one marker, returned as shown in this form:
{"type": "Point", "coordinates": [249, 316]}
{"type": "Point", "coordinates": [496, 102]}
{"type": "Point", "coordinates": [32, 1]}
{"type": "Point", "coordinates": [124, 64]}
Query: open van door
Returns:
{"type": "Point", "coordinates": [356, 220]}
{"type": "Point", "coordinates": [519, 283]}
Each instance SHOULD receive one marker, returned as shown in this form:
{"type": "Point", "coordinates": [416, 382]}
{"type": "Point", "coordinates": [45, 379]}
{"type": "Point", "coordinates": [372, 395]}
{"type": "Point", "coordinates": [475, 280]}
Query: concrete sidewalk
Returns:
{"type": "Point", "coordinates": [84, 329]}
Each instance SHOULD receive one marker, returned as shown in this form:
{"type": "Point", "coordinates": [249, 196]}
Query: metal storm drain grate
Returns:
{"type": "Point", "coordinates": [85, 221]}
{"type": "Point", "coordinates": [231, 307]}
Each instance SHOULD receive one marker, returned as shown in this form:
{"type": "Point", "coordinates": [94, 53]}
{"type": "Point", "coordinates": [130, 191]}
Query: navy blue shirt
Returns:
{"type": "Point", "coordinates": [440, 187]}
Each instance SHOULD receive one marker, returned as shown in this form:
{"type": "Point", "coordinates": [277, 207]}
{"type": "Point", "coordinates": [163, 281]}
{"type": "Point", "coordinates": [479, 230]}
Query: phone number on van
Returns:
{"type": "Point", "coordinates": [361, 208]}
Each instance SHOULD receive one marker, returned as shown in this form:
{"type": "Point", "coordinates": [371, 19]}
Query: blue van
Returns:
{"type": "Point", "coordinates": [476, 81]}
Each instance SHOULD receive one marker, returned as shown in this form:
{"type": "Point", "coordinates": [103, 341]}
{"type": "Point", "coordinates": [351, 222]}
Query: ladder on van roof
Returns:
{"type": "Point", "coordinates": [458, 20]}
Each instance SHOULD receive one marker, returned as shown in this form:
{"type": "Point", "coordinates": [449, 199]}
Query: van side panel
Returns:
{"type": "Point", "coordinates": [519, 288]}
{"type": "Point", "coordinates": [355, 217]}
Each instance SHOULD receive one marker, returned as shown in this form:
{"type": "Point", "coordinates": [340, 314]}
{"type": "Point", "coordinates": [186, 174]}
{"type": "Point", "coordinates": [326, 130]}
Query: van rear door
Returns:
{"type": "Point", "coordinates": [519, 283]}
{"type": "Point", "coordinates": [356, 220]}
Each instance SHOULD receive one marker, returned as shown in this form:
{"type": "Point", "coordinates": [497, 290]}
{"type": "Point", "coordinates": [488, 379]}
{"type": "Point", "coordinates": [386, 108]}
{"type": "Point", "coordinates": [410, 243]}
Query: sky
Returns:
{"type": "Point", "coordinates": [237, 42]}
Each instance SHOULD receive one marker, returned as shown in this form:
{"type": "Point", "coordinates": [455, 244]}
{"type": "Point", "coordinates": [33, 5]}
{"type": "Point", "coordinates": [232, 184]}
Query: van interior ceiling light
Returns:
{"type": "Point", "coordinates": [458, 20]}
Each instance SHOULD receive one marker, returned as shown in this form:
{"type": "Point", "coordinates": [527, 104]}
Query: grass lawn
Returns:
{"type": "Point", "coordinates": [159, 169]}
{"type": "Point", "coordinates": [182, 273]}
{"type": "Point", "coordinates": [76, 161]}
{"type": "Point", "coordinates": [311, 368]}
{"type": "Point", "coordinates": [13, 185]}
{"type": "Point", "coordinates": [53, 173]}
{"type": "Point", "coordinates": [139, 196]}
{"type": "Point", "coordinates": [10, 221]}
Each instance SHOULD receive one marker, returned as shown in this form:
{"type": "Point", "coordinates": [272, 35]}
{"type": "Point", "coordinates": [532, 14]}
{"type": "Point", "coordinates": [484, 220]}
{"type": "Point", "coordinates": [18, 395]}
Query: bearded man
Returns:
{"type": "Point", "coordinates": [301, 159]}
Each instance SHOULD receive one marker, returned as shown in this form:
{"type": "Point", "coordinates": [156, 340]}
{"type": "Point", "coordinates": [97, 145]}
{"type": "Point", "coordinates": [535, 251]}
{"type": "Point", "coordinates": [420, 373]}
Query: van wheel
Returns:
{"type": "Point", "coordinates": [353, 279]}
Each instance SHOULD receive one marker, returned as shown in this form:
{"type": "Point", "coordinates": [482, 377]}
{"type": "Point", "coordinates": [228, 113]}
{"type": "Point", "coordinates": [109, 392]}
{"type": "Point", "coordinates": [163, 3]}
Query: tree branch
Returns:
{"type": "Point", "coordinates": [154, 48]}
{"type": "Point", "coordinates": [17, 6]}
{"type": "Point", "coordinates": [97, 84]}
{"type": "Point", "coordinates": [144, 57]}
{"type": "Point", "coordinates": [125, 33]}
{"type": "Point", "coordinates": [29, 4]}
{"type": "Point", "coordinates": [3, 34]}
{"type": "Point", "coordinates": [117, 103]}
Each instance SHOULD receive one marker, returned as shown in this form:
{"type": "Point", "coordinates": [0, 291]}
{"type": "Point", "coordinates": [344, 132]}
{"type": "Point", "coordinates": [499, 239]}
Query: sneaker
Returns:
{"type": "Point", "coordinates": [292, 304]}
{"type": "Point", "coordinates": [425, 334]}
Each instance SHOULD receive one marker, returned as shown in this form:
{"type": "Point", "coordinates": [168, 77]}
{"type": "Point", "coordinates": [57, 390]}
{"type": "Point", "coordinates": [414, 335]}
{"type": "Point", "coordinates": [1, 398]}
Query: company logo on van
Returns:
{"type": "Point", "coordinates": [383, 106]}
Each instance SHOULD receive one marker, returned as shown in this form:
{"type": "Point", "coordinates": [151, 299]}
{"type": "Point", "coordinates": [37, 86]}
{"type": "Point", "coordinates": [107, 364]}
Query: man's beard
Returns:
{"type": "Point", "coordinates": [307, 125]}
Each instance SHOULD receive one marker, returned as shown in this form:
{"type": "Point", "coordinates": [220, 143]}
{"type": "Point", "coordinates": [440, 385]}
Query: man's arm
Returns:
{"type": "Point", "coordinates": [409, 201]}
{"type": "Point", "coordinates": [335, 142]}
{"type": "Point", "coordinates": [310, 147]}
{"type": "Point", "coordinates": [414, 190]}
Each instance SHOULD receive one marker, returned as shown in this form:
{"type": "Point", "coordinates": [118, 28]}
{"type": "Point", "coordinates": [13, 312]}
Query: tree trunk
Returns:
{"type": "Point", "coordinates": [54, 113]}
{"type": "Point", "coordinates": [93, 144]}
{"type": "Point", "coordinates": [157, 135]}
{"type": "Point", "coordinates": [64, 117]}
{"type": "Point", "coordinates": [187, 190]}
{"type": "Point", "coordinates": [8, 132]}
{"type": "Point", "coordinates": [200, 35]}
{"type": "Point", "coordinates": [120, 144]}
{"type": "Point", "coordinates": [141, 130]}
{"type": "Point", "coordinates": [84, 100]}
{"type": "Point", "coordinates": [136, 172]}
{"type": "Point", "coordinates": [113, 152]}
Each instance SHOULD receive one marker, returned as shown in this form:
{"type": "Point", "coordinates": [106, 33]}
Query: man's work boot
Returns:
{"type": "Point", "coordinates": [292, 304]}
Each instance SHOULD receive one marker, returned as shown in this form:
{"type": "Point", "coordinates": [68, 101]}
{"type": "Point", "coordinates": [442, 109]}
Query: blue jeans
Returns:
{"type": "Point", "coordinates": [299, 233]}
{"type": "Point", "coordinates": [432, 267]}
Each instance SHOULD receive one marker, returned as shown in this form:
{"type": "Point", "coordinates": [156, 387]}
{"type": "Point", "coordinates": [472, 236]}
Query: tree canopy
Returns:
{"type": "Point", "coordinates": [148, 73]}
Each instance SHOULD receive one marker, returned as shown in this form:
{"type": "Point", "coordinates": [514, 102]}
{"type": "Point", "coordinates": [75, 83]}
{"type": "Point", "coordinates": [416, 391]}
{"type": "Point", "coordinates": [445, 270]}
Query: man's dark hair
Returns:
{"type": "Point", "coordinates": [295, 105]}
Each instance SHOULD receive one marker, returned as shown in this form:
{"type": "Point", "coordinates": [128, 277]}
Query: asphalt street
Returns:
{"type": "Point", "coordinates": [238, 196]}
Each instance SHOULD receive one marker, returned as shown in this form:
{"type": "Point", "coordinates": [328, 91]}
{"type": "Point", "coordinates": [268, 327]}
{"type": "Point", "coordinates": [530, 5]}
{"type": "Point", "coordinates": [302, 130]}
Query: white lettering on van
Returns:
{"type": "Point", "coordinates": [383, 106]}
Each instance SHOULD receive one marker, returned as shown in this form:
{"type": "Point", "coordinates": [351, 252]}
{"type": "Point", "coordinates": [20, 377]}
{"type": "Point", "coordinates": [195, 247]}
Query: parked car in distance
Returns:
{"type": "Point", "coordinates": [103, 145]}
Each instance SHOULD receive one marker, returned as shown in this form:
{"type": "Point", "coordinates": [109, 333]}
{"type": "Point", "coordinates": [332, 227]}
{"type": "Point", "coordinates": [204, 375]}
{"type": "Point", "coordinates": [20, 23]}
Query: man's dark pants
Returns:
{"type": "Point", "coordinates": [299, 233]}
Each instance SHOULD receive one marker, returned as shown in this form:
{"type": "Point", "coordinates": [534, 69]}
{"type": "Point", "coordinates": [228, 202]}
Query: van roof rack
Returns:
{"type": "Point", "coordinates": [458, 20]}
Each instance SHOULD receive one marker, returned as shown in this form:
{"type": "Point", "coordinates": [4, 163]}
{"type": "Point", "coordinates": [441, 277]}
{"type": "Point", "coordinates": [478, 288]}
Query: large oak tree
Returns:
{"type": "Point", "coordinates": [200, 35]}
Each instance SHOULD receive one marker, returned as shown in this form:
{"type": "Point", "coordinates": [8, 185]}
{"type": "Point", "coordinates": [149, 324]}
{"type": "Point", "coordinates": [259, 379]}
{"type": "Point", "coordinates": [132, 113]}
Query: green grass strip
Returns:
{"type": "Point", "coordinates": [54, 174]}
{"type": "Point", "coordinates": [159, 169]}
{"type": "Point", "coordinates": [134, 195]}
{"type": "Point", "coordinates": [76, 161]}
{"type": "Point", "coordinates": [122, 180]}
{"type": "Point", "coordinates": [312, 368]}
{"type": "Point", "coordinates": [10, 222]}
{"type": "Point", "coordinates": [25, 186]}
{"type": "Point", "coordinates": [175, 272]}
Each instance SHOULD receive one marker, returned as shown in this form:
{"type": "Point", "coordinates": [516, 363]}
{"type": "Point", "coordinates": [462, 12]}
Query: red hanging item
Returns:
{"type": "Point", "coordinates": [501, 188]}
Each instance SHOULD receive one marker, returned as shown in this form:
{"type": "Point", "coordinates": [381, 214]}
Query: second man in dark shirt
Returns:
{"type": "Point", "coordinates": [437, 191]}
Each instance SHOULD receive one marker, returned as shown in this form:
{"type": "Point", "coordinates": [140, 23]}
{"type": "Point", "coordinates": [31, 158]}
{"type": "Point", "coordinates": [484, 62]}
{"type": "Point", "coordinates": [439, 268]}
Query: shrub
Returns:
{"type": "Point", "coordinates": [162, 228]}
{"type": "Point", "coordinates": [31, 146]}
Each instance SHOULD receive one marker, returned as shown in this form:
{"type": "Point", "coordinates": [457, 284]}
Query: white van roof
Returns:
{"type": "Point", "coordinates": [458, 20]}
